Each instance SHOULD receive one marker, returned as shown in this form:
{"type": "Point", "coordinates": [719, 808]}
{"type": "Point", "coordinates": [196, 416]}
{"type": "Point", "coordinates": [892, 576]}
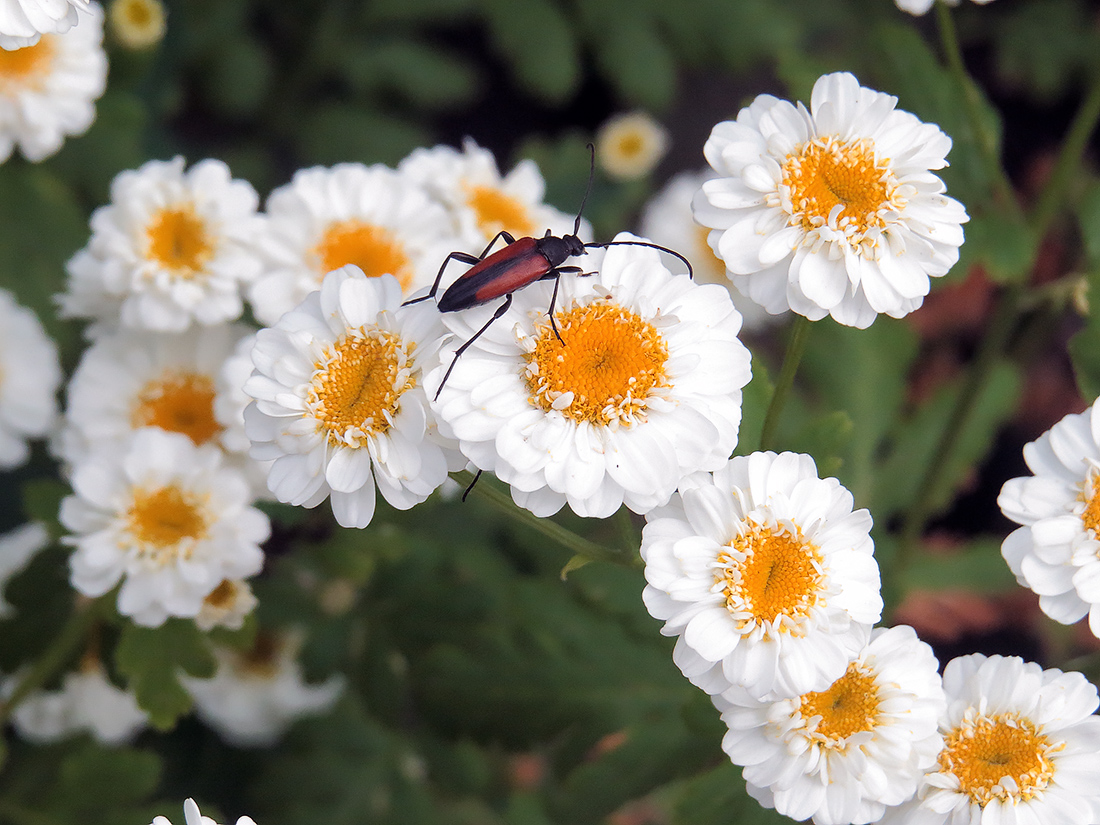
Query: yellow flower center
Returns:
{"type": "Point", "coordinates": [611, 361]}
{"type": "Point", "coordinates": [630, 145]}
{"type": "Point", "coordinates": [1091, 514]}
{"type": "Point", "coordinates": [28, 67]}
{"type": "Point", "coordinates": [826, 173]}
{"type": "Point", "coordinates": [374, 249]}
{"type": "Point", "coordinates": [771, 573]}
{"type": "Point", "coordinates": [984, 750]}
{"type": "Point", "coordinates": [223, 596]}
{"type": "Point", "coordinates": [137, 23]}
{"type": "Point", "coordinates": [849, 706]}
{"type": "Point", "coordinates": [179, 241]}
{"type": "Point", "coordinates": [497, 212]}
{"type": "Point", "coordinates": [166, 523]}
{"type": "Point", "coordinates": [180, 402]}
{"type": "Point", "coordinates": [262, 660]}
{"type": "Point", "coordinates": [357, 387]}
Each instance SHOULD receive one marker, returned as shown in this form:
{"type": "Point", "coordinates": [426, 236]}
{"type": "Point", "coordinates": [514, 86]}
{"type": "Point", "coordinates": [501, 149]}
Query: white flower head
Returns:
{"type": "Point", "coordinates": [842, 755]}
{"type": "Point", "coordinates": [382, 221]}
{"type": "Point", "coordinates": [642, 388]}
{"type": "Point", "coordinates": [23, 22]}
{"type": "Point", "coordinates": [255, 695]}
{"type": "Point", "coordinates": [483, 203]}
{"type": "Point", "coordinates": [29, 378]}
{"type": "Point", "coordinates": [172, 249]}
{"type": "Point", "coordinates": [630, 145]}
{"type": "Point", "coordinates": [1020, 746]}
{"type": "Point", "coordinates": [340, 403]}
{"type": "Point", "coordinates": [192, 816]}
{"type": "Point", "coordinates": [919, 7]}
{"type": "Point", "coordinates": [1057, 551]}
{"type": "Point", "coordinates": [226, 605]}
{"type": "Point", "coordinates": [164, 517]}
{"type": "Point", "coordinates": [137, 24]}
{"type": "Point", "coordinates": [17, 548]}
{"type": "Point", "coordinates": [765, 574]}
{"type": "Point", "coordinates": [832, 210]}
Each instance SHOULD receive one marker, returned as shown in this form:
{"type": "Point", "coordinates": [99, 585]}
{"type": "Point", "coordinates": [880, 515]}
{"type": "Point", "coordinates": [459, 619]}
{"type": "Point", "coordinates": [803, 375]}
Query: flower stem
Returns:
{"type": "Point", "coordinates": [796, 345]}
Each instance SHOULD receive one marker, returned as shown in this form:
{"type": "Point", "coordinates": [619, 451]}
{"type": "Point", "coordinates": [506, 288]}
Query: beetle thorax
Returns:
{"type": "Point", "coordinates": [556, 250]}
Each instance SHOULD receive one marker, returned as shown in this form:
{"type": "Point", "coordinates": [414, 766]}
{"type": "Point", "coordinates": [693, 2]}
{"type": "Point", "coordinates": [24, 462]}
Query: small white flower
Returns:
{"type": "Point", "coordinates": [17, 548]}
{"type": "Point", "coordinates": [230, 401]}
{"type": "Point", "coordinates": [340, 403]}
{"type": "Point", "coordinates": [192, 816]}
{"type": "Point", "coordinates": [48, 90]}
{"type": "Point", "coordinates": [765, 574]}
{"type": "Point", "coordinates": [1020, 746]}
{"type": "Point", "coordinates": [629, 146]}
{"type": "Point", "coordinates": [166, 518]}
{"type": "Point", "coordinates": [642, 388]}
{"type": "Point", "coordinates": [919, 7]}
{"type": "Point", "coordinates": [226, 605]}
{"type": "Point", "coordinates": [831, 211]}
{"type": "Point", "coordinates": [172, 249]}
{"type": "Point", "coordinates": [137, 24]}
{"type": "Point", "coordinates": [1057, 551]}
{"type": "Point", "coordinates": [379, 220]}
{"type": "Point", "coordinates": [23, 22]}
{"type": "Point", "coordinates": [255, 695]}
{"type": "Point", "coordinates": [29, 377]}
{"type": "Point", "coordinates": [844, 754]}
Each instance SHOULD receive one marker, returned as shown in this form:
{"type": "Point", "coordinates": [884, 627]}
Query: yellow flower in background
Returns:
{"type": "Point", "coordinates": [629, 146]}
{"type": "Point", "coordinates": [137, 24]}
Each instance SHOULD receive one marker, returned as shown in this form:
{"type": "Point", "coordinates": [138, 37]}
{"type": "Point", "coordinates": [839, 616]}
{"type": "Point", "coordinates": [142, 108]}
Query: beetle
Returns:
{"type": "Point", "coordinates": [518, 264]}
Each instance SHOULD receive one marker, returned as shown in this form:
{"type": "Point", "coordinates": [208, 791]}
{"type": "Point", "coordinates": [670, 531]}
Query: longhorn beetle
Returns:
{"type": "Point", "coordinates": [520, 263]}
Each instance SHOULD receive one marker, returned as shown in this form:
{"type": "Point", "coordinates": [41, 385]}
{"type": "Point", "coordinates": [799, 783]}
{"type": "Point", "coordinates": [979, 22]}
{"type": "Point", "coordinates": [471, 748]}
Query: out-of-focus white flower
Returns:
{"type": "Point", "coordinates": [831, 211]}
{"type": "Point", "coordinates": [844, 754]}
{"type": "Point", "coordinates": [166, 518]}
{"type": "Point", "coordinates": [192, 816]}
{"type": "Point", "coordinates": [1057, 551]}
{"type": "Point", "coordinates": [919, 7]}
{"type": "Point", "coordinates": [29, 377]}
{"type": "Point", "coordinates": [23, 22]}
{"type": "Point", "coordinates": [382, 221]}
{"type": "Point", "coordinates": [630, 145]}
{"type": "Point", "coordinates": [255, 696]}
{"type": "Point", "coordinates": [48, 90]}
{"type": "Point", "coordinates": [226, 605]}
{"type": "Point", "coordinates": [230, 401]}
{"type": "Point", "coordinates": [1020, 745]}
{"type": "Point", "coordinates": [765, 574]}
{"type": "Point", "coordinates": [137, 24]}
{"type": "Point", "coordinates": [17, 548]}
{"type": "Point", "coordinates": [642, 388]}
{"type": "Point", "coordinates": [172, 249]}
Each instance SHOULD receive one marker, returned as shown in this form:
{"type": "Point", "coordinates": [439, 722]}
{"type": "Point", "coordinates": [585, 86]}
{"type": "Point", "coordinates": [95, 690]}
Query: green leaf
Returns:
{"type": "Point", "coordinates": [1042, 46]}
{"type": "Point", "coordinates": [637, 62]}
{"type": "Point", "coordinates": [151, 659]}
{"type": "Point", "coordinates": [432, 11]}
{"type": "Point", "coordinates": [718, 797]}
{"type": "Point", "coordinates": [426, 76]}
{"type": "Point", "coordinates": [538, 41]}
{"type": "Point", "coordinates": [1084, 354]}
{"type": "Point", "coordinates": [42, 500]}
{"type": "Point", "coordinates": [755, 398]}
{"type": "Point", "coordinates": [978, 568]}
{"type": "Point", "coordinates": [1088, 216]}
{"type": "Point", "coordinates": [95, 779]}
{"type": "Point", "coordinates": [238, 77]}
{"type": "Point", "coordinates": [335, 133]}
{"type": "Point", "coordinates": [1003, 245]}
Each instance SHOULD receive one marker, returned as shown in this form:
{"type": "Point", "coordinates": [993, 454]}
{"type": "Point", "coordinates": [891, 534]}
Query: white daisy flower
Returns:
{"type": "Point", "coordinates": [255, 695]}
{"type": "Point", "coordinates": [831, 211]}
{"type": "Point", "coordinates": [17, 548]}
{"type": "Point", "coordinates": [480, 201]}
{"type": "Point", "coordinates": [137, 24]}
{"type": "Point", "coordinates": [230, 401]}
{"type": "Point", "coordinates": [23, 22]}
{"type": "Point", "coordinates": [164, 517]}
{"type": "Point", "coordinates": [48, 90]}
{"type": "Point", "coordinates": [842, 755]}
{"type": "Point", "coordinates": [1020, 746]}
{"type": "Point", "coordinates": [667, 220]}
{"type": "Point", "coordinates": [29, 378]}
{"type": "Point", "coordinates": [192, 816]}
{"type": "Point", "coordinates": [172, 249]}
{"type": "Point", "coordinates": [370, 216]}
{"type": "Point", "coordinates": [765, 574]}
{"type": "Point", "coordinates": [1057, 551]}
{"type": "Point", "coordinates": [340, 403]}
{"type": "Point", "coordinates": [630, 145]}
{"type": "Point", "coordinates": [919, 7]}
{"type": "Point", "coordinates": [642, 388]}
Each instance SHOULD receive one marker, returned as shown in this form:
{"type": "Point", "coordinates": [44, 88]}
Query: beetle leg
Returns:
{"type": "Point", "coordinates": [508, 239]}
{"type": "Point", "coordinates": [554, 300]}
{"type": "Point", "coordinates": [458, 352]}
{"type": "Point", "coordinates": [465, 257]}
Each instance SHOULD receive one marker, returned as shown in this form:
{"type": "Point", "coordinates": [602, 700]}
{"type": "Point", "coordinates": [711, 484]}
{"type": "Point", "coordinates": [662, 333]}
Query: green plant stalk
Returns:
{"type": "Point", "coordinates": [796, 345]}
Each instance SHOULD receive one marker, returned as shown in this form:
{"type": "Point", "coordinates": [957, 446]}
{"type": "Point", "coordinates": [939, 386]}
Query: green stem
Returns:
{"type": "Point", "coordinates": [565, 537]}
{"type": "Point", "coordinates": [796, 345]}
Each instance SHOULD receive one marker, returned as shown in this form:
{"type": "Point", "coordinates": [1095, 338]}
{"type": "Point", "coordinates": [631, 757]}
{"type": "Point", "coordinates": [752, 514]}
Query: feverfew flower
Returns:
{"type": "Point", "coordinates": [919, 7]}
{"type": "Point", "coordinates": [642, 388]}
{"type": "Point", "coordinates": [1057, 551]}
{"type": "Point", "coordinates": [226, 605]}
{"type": "Point", "coordinates": [1020, 746]}
{"type": "Point", "coordinates": [23, 22]}
{"type": "Point", "coordinates": [192, 816]}
{"type": "Point", "coordinates": [29, 377]}
{"type": "Point", "coordinates": [842, 755]}
{"type": "Point", "coordinates": [831, 211]}
{"type": "Point", "coordinates": [137, 24]}
{"type": "Point", "coordinates": [340, 403]}
{"type": "Point", "coordinates": [164, 517]}
{"type": "Point", "coordinates": [765, 574]}
{"type": "Point", "coordinates": [17, 548]}
{"type": "Point", "coordinates": [172, 249]}
{"type": "Point", "coordinates": [629, 145]}
{"type": "Point", "coordinates": [48, 90]}
{"type": "Point", "coordinates": [371, 216]}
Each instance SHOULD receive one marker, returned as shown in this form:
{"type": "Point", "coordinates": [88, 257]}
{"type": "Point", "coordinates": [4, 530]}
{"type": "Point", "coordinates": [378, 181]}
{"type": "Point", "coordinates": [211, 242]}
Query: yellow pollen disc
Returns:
{"type": "Point", "coordinates": [178, 241]}
{"type": "Point", "coordinates": [180, 402]}
{"type": "Point", "coordinates": [848, 707]}
{"type": "Point", "coordinates": [773, 574]}
{"type": "Point", "coordinates": [982, 751]}
{"type": "Point", "coordinates": [630, 145]}
{"type": "Point", "coordinates": [223, 596]}
{"type": "Point", "coordinates": [356, 391]}
{"type": "Point", "coordinates": [828, 172]}
{"type": "Point", "coordinates": [497, 212]}
{"type": "Point", "coordinates": [1091, 515]}
{"type": "Point", "coordinates": [374, 249]}
{"type": "Point", "coordinates": [26, 68]}
{"type": "Point", "coordinates": [611, 362]}
{"type": "Point", "coordinates": [163, 519]}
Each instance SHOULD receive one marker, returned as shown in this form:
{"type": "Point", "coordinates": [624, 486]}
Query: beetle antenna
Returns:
{"type": "Point", "coordinates": [587, 189]}
{"type": "Point", "coordinates": [687, 263]}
